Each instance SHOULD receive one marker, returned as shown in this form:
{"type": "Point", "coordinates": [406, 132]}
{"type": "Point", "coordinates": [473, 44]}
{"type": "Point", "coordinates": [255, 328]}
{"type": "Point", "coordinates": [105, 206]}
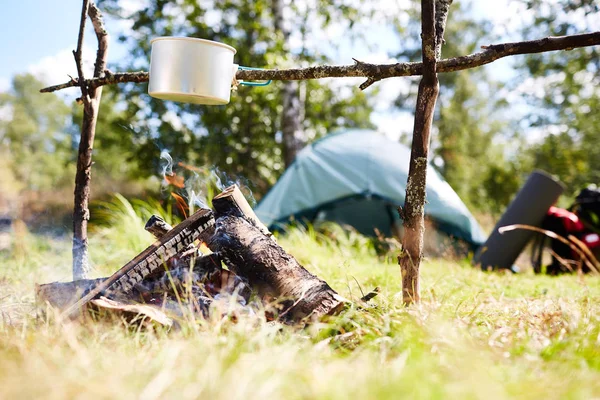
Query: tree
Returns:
{"type": "Point", "coordinates": [258, 133]}
{"type": "Point", "coordinates": [563, 92]}
{"type": "Point", "coordinates": [293, 106]}
{"type": "Point", "coordinates": [35, 130]}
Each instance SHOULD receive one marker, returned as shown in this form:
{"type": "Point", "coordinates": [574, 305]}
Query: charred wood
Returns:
{"type": "Point", "coordinates": [248, 252]}
{"type": "Point", "coordinates": [157, 226]}
{"type": "Point", "coordinates": [199, 226]}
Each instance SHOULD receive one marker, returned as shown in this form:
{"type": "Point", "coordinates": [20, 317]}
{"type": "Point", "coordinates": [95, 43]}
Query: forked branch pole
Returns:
{"type": "Point", "coordinates": [433, 22]}
{"type": "Point", "coordinates": [90, 96]}
{"type": "Point", "coordinates": [374, 72]}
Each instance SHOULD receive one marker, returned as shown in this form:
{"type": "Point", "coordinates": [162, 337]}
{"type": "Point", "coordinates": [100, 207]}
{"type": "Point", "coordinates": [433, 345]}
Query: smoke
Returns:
{"type": "Point", "coordinates": [196, 188]}
{"type": "Point", "coordinates": [198, 184]}
{"type": "Point", "coordinates": [167, 169]}
{"type": "Point", "coordinates": [222, 180]}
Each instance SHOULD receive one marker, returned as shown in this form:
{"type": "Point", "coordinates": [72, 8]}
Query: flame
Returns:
{"type": "Point", "coordinates": [189, 167]}
{"type": "Point", "coordinates": [175, 180]}
{"type": "Point", "coordinates": [181, 203]}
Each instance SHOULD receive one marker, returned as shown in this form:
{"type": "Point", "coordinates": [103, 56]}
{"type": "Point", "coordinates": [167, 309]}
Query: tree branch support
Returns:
{"type": "Point", "coordinates": [91, 103]}
{"type": "Point", "coordinates": [433, 21]}
{"type": "Point", "coordinates": [374, 72]}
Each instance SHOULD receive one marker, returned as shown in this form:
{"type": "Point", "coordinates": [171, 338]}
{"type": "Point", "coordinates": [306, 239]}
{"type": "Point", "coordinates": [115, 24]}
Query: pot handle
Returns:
{"type": "Point", "coordinates": [252, 83]}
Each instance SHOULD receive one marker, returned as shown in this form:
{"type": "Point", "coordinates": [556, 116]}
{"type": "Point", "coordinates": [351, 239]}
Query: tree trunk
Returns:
{"type": "Point", "coordinates": [91, 105]}
{"type": "Point", "coordinates": [291, 118]}
{"type": "Point", "coordinates": [291, 124]}
{"type": "Point", "coordinates": [433, 21]}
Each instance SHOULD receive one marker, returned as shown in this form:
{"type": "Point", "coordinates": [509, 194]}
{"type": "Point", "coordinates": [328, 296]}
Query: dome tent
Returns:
{"type": "Point", "coordinates": [358, 177]}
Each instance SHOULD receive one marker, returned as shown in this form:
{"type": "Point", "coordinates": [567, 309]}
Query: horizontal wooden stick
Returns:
{"type": "Point", "coordinates": [374, 72]}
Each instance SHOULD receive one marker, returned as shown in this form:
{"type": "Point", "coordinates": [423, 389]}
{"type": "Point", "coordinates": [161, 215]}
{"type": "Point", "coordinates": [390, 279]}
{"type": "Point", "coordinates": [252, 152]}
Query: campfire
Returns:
{"type": "Point", "coordinates": [225, 255]}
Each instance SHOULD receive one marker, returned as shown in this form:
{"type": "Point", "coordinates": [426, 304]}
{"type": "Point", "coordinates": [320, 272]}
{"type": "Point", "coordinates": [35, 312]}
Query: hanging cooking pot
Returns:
{"type": "Point", "coordinates": [192, 70]}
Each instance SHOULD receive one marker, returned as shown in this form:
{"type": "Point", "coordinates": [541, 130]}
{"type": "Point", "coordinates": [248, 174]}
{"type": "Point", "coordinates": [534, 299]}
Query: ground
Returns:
{"type": "Point", "coordinates": [475, 334]}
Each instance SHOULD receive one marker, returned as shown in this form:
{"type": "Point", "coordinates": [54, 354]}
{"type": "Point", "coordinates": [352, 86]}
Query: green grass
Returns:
{"type": "Point", "coordinates": [475, 335]}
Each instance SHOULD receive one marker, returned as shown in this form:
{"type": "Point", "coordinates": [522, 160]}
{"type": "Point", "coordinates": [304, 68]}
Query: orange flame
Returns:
{"type": "Point", "coordinates": [175, 180]}
{"type": "Point", "coordinates": [181, 204]}
{"type": "Point", "coordinates": [189, 167]}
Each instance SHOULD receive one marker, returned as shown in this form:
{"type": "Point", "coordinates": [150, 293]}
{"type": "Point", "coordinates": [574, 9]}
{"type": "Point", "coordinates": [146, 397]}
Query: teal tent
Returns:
{"type": "Point", "coordinates": [358, 178]}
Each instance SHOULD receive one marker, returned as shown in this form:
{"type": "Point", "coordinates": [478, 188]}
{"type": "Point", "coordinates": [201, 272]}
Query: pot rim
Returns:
{"type": "Point", "coordinates": [191, 39]}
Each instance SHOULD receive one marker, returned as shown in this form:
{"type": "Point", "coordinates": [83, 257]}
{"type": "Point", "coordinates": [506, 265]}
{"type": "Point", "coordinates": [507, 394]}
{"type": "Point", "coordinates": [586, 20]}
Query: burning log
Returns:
{"type": "Point", "coordinates": [190, 266]}
{"type": "Point", "coordinates": [190, 258]}
{"type": "Point", "coordinates": [254, 259]}
{"type": "Point", "coordinates": [198, 226]}
{"type": "Point", "coordinates": [231, 201]}
{"type": "Point", "coordinates": [249, 251]}
{"type": "Point", "coordinates": [158, 227]}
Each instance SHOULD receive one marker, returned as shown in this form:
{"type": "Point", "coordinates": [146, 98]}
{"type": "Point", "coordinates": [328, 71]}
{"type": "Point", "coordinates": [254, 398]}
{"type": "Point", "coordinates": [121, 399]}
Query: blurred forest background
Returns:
{"type": "Point", "coordinates": [492, 128]}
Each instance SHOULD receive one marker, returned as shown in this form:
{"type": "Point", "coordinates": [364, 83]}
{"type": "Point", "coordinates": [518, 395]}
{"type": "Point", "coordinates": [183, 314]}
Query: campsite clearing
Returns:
{"type": "Point", "coordinates": [474, 335]}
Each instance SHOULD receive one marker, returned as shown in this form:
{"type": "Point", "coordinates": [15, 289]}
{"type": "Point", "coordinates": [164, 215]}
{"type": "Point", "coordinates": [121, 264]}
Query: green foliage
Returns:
{"type": "Point", "coordinates": [499, 183]}
{"type": "Point", "coordinates": [242, 138]}
{"type": "Point", "coordinates": [115, 153]}
{"type": "Point", "coordinates": [563, 109]}
{"type": "Point", "coordinates": [465, 135]}
{"type": "Point", "coordinates": [562, 156]}
{"type": "Point", "coordinates": [33, 137]}
{"type": "Point", "coordinates": [39, 138]}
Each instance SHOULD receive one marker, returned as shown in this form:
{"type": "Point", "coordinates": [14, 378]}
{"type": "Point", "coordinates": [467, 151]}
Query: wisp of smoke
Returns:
{"type": "Point", "coordinates": [167, 169]}
{"type": "Point", "coordinates": [222, 180]}
{"type": "Point", "coordinates": [197, 185]}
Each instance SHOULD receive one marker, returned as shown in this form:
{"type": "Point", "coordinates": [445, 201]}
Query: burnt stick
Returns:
{"type": "Point", "coordinates": [157, 226]}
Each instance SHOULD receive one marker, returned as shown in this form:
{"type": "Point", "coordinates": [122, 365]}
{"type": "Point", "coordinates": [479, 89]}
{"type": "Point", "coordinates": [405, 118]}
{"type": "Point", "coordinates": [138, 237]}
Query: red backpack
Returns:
{"type": "Point", "coordinates": [565, 223]}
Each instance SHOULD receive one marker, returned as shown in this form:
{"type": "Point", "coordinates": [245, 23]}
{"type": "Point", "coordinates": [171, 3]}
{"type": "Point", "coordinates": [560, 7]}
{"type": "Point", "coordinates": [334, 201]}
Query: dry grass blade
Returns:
{"type": "Point", "coordinates": [565, 263]}
{"type": "Point", "coordinates": [587, 257]}
{"type": "Point", "coordinates": [587, 251]}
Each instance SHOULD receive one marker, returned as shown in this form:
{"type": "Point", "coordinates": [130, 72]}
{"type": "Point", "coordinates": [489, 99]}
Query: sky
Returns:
{"type": "Point", "coordinates": [39, 36]}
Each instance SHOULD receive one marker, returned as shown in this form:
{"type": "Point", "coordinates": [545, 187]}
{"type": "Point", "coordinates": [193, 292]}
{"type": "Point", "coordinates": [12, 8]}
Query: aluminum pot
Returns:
{"type": "Point", "coordinates": [191, 70]}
